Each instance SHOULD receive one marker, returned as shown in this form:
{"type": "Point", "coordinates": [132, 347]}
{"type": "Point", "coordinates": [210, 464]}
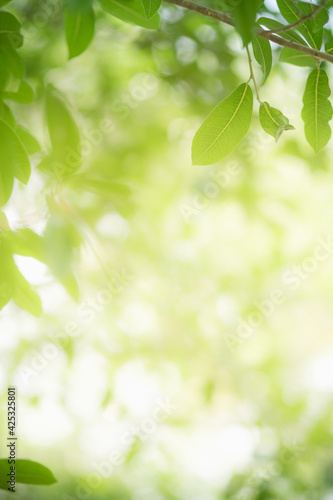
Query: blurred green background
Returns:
{"type": "Point", "coordinates": [175, 375]}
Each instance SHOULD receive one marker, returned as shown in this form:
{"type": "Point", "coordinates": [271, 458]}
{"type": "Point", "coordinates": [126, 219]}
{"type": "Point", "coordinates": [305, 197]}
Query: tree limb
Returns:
{"type": "Point", "coordinates": [225, 18]}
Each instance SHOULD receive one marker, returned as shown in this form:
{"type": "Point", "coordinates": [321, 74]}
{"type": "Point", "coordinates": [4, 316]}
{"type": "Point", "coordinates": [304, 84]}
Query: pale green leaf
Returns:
{"type": "Point", "coordinates": [317, 109]}
{"type": "Point", "coordinates": [25, 296]}
{"type": "Point", "coordinates": [224, 128]}
{"type": "Point", "coordinates": [273, 121]}
{"type": "Point", "coordinates": [263, 54]}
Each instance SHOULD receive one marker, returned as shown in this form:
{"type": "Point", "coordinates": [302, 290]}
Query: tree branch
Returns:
{"type": "Point", "coordinates": [301, 20]}
{"type": "Point", "coordinates": [225, 18]}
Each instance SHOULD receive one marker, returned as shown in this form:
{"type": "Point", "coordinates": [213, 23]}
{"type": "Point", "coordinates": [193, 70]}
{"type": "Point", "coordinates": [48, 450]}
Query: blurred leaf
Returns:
{"type": "Point", "coordinates": [7, 270]}
{"type": "Point", "coordinates": [317, 110]}
{"type": "Point", "coordinates": [132, 12]}
{"type": "Point", "coordinates": [27, 472]}
{"type": "Point", "coordinates": [26, 297]}
{"type": "Point", "coordinates": [273, 121]}
{"type": "Point", "coordinates": [27, 243]}
{"type": "Point", "coordinates": [224, 128]}
{"type": "Point", "coordinates": [8, 23]}
{"type": "Point", "coordinates": [71, 286]}
{"type": "Point", "coordinates": [23, 94]}
{"type": "Point", "coordinates": [79, 26]}
{"type": "Point", "coordinates": [12, 59]}
{"type": "Point", "coordinates": [60, 239]}
{"type": "Point", "coordinates": [6, 115]}
{"type": "Point", "coordinates": [30, 143]}
{"type": "Point", "coordinates": [263, 54]}
{"type": "Point", "coordinates": [64, 134]}
{"type": "Point", "coordinates": [15, 161]}
{"type": "Point", "coordinates": [292, 56]}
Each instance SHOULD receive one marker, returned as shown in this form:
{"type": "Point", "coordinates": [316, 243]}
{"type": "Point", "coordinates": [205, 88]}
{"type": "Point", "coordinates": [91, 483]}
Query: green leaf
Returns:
{"type": "Point", "coordinates": [293, 12]}
{"type": "Point", "coordinates": [71, 286]}
{"type": "Point", "coordinates": [12, 60]}
{"type": "Point", "coordinates": [317, 109]}
{"type": "Point", "coordinates": [273, 121]}
{"type": "Point", "coordinates": [60, 239]}
{"type": "Point", "coordinates": [27, 472]}
{"type": "Point", "coordinates": [8, 23]}
{"type": "Point", "coordinates": [14, 158]}
{"type": "Point", "coordinates": [263, 54]}
{"type": "Point", "coordinates": [245, 16]}
{"type": "Point", "coordinates": [26, 297]}
{"type": "Point", "coordinates": [296, 58]}
{"type": "Point", "coordinates": [64, 134]}
{"type": "Point", "coordinates": [79, 26]}
{"type": "Point", "coordinates": [6, 115]}
{"type": "Point", "coordinates": [4, 2]}
{"type": "Point", "coordinates": [272, 24]}
{"type": "Point", "coordinates": [30, 143]}
{"type": "Point", "coordinates": [150, 7]}
{"type": "Point", "coordinates": [132, 11]}
{"type": "Point", "coordinates": [329, 43]}
{"type": "Point", "coordinates": [7, 271]}
{"type": "Point", "coordinates": [23, 94]}
{"type": "Point", "coordinates": [27, 243]}
{"type": "Point", "coordinates": [224, 128]}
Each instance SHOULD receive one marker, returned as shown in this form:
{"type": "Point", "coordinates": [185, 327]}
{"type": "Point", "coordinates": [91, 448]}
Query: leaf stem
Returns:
{"type": "Point", "coordinates": [252, 77]}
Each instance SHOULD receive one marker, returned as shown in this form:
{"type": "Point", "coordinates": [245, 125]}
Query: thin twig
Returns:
{"type": "Point", "coordinates": [301, 20]}
{"type": "Point", "coordinates": [225, 18]}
